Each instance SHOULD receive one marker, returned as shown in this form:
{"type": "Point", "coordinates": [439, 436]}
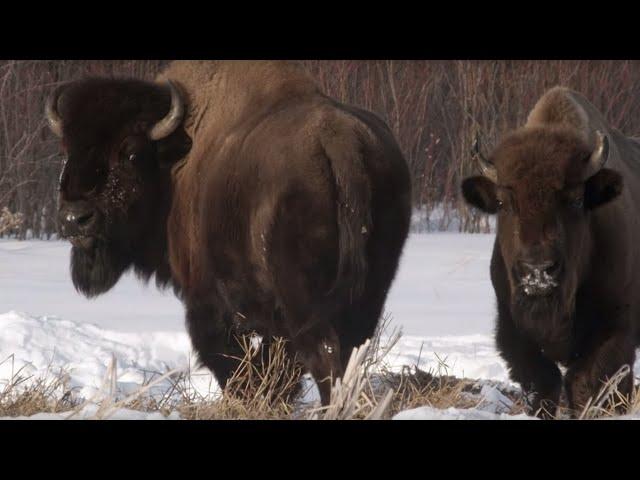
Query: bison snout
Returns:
{"type": "Point", "coordinates": [538, 277]}
{"type": "Point", "coordinates": [78, 222]}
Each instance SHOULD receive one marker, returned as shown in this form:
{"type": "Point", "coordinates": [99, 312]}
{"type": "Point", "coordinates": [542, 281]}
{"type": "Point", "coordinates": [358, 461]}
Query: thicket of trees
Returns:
{"type": "Point", "coordinates": [435, 109]}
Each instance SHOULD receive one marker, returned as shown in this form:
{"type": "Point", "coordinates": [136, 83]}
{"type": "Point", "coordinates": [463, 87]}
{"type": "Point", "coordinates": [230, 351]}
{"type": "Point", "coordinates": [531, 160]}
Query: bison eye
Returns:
{"type": "Point", "coordinates": [500, 205]}
{"type": "Point", "coordinates": [132, 157]}
{"type": "Point", "coordinates": [576, 203]}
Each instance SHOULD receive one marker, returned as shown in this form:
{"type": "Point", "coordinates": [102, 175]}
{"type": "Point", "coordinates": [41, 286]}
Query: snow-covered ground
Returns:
{"type": "Point", "coordinates": [442, 301]}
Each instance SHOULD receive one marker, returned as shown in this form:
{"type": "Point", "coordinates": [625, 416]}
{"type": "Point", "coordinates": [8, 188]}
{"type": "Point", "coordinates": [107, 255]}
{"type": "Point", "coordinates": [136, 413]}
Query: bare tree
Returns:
{"type": "Point", "coordinates": [435, 108]}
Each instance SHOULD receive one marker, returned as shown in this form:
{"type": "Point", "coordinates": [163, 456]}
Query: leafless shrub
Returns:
{"type": "Point", "coordinates": [435, 109]}
{"type": "Point", "coordinates": [10, 223]}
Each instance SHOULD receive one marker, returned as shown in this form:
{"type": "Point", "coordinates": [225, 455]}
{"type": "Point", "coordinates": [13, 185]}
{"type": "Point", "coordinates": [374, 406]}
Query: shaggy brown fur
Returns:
{"type": "Point", "coordinates": [283, 211]}
{"type": "Point", "coordinates": [585, 234]}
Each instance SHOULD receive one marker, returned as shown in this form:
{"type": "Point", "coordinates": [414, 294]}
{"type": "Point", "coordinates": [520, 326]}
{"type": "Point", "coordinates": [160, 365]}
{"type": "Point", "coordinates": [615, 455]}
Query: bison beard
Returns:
{"type": "Point", "coordinates": [547, 320]}
{"type": "Point", "coordinates": [96, 270]}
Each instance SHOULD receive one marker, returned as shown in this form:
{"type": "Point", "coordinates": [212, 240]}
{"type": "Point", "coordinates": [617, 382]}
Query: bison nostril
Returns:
{"type": "Point", "coordinates": [85, 219]}
{"type": "Point", "coordinates": [76, 221]}
{"type": "Point", "coordinates": [550, 268]}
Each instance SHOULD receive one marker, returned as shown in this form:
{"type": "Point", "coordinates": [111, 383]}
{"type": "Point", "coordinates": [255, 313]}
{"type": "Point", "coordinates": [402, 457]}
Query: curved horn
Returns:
{"type": "Point", "coordinates": [51, 110]}
{"type": "Point", "coordinates": [170, 122]}
{"type": "Point", "coordinates": [487, 168]}
{"type": "Point", "coordinates": [599, 156]}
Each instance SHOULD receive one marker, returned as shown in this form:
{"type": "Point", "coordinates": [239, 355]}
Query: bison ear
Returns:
{"type": "Point", "coordinates": [480, 192]}
{"type": "Point", "coordinates": [172, 149]}
{"type": "Point", "coordinates": [602, 187]}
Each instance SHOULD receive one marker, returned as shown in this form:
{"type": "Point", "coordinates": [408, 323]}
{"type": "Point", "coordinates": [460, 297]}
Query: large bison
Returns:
{"type": "Point", "coordinates": [267, 205]}
{"type": "Point", "coordinates": [566, 259]}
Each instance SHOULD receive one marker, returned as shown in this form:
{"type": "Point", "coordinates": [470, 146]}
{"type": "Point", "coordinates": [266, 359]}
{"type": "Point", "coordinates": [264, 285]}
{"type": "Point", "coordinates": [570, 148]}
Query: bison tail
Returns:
{"type": "Point", "coordinates": [353, 205]}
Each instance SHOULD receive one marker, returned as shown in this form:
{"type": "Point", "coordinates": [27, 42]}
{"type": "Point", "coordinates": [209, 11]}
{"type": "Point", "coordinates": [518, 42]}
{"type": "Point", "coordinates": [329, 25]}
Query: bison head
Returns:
{"type": "Point", "coordinates": [544, 183]}
{"type": "Point", "coordinates": [119, 137]}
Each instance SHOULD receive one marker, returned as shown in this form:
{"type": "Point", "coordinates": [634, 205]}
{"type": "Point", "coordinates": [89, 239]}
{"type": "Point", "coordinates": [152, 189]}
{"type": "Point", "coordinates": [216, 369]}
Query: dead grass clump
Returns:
{"type": "Point", "coordinates": [354, 396]}
{"type": "Point", "coordinates": [264, 386]}
{"type": "Point", "coordinates": [24, 395]}
{"type": "Point", "coordinates": [417, 388]}
{"type": "Point", "coordinates": [361, 394]}
{"type": "Point", "coordinates": [610, 401]}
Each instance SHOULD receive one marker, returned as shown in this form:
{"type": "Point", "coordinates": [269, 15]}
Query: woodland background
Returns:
{"type": "Point", "coordinates": [434, 108]}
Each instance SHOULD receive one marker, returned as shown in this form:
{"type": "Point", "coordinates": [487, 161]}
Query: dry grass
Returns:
{"type": "Point", "coordinates": [263, 387]}
{"type": "Point", "coordinates": [416, 388]}
{"type": "Point", "coordinates": [361, 394]}
{"type": "Point", "coordinates": [610, 402]}
{"type": "Point", "coordinates": [266, 384]}
{"type": "Point", "coordinates": [23, 395]}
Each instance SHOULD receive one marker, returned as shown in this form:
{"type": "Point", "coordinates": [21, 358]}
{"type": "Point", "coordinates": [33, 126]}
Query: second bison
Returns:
{"type": "Point", "coordinates": [566, 259]}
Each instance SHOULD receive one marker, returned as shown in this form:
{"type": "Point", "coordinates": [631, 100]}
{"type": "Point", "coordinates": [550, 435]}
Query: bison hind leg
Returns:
{"type": "Point", "coordinates": [214, 340]}
{"type": "Point", "coordinates": [318, 348]}
{"type": "Point", "coordinates": [229, 351]}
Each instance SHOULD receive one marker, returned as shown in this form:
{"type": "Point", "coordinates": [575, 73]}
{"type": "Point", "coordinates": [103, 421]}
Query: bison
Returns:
{"type": "Point", "coordinates": [566, 259]}
{"type": "Point", "coordinates": [265, 204]}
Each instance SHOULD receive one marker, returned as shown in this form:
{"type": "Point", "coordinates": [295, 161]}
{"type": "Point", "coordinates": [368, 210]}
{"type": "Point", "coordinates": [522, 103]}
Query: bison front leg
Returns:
{"type": "Point", "coordinates": [539, 377]}
{"type": "Point", "coordinates": [586, 377]}
{"type": "Point", "coordinates": [214, 339]}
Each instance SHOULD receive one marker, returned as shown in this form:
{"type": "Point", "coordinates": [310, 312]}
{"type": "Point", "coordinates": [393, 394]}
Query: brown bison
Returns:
{"type": "Point", "coordinates": [566, 259]}
{"type": "Point", "coordinates": [268, 206]}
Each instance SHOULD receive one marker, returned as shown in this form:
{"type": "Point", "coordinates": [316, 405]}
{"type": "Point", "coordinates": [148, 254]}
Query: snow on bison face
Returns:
{"type": "Point", "coordinates": [543, 183]}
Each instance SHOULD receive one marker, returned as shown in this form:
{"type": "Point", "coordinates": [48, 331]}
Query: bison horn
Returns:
{"type": "Point", "coordinates": [170, 122]}
{"type": "Point", "coordinates": [487, 168]}
{"type": "Point", "coordinates": [51, 111]}
{"type": "Point", "coordinates": [599, 156]}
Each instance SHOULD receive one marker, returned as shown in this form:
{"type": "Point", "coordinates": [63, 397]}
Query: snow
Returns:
{"type": "Point", "coordinates": [435, 270]}
{"type": "Point", "coordinates": [442, 300]}
{"type": "Point", "coordinates": [41, 267]}
{"type": "Point", "coordinates": [88, 413]}
{"type": "Point", "coordinates": [442, 287]}
{"type": "Point", "coordinates": [38, 345]}
{"type": "Point", "coordinates": [451, 413]}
